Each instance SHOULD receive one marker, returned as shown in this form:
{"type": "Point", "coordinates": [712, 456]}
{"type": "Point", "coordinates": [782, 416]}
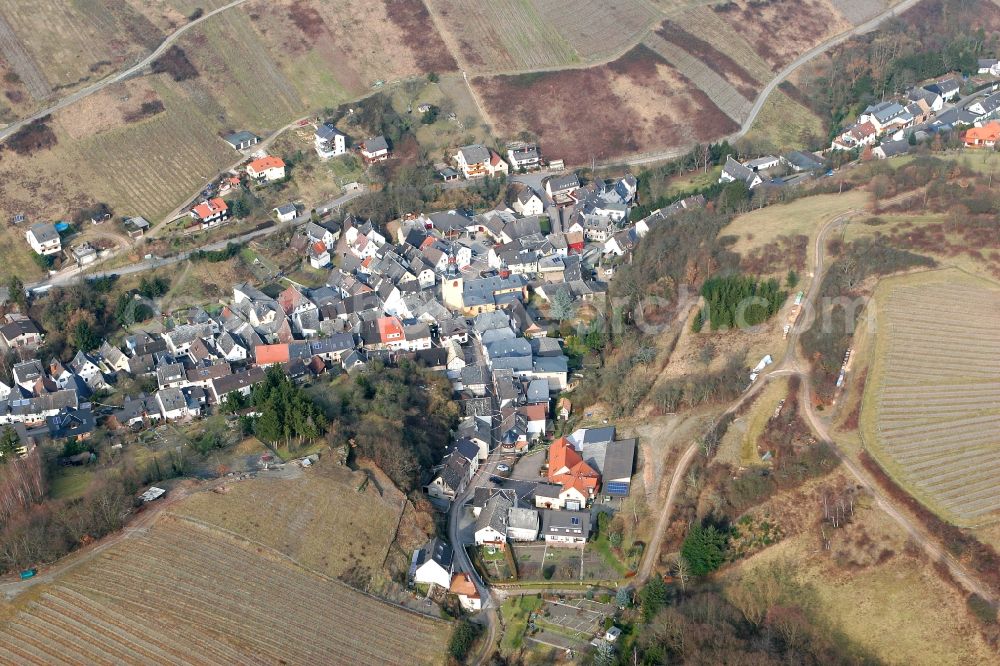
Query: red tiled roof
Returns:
{"type": "Point", "coordinates": [580, 475]}
{"type": "Point", "coordinates": [265, 163]}
{"type": "Point", "coordinates": [536, 412]}
{"type": "Point", "coordinates": [209, 208]}
{"type": "Point", "coordinates": [268, 354]}
{"type": "Point", "coordinates": [390, 326]}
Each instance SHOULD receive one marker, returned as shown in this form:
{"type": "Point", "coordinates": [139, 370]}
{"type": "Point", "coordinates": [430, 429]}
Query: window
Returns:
{"type": "Point", "coordinates": [574, 520]}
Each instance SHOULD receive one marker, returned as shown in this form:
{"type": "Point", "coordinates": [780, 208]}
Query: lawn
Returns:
{"type": "Point", "coordinates": [70, 482]}
{"type": "Point", "coordinates": [515, 612]}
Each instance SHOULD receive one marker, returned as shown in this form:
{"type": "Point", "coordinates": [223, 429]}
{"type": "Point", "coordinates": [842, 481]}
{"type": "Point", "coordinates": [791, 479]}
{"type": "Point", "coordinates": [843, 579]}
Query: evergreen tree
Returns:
{"type": "Point", "coordinates": [704, 549]}
{"type": "Point", "coordinates": [653, 597]}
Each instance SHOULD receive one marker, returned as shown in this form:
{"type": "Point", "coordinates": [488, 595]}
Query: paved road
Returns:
{"type": "Point", "coordinates": [263, 145]}
{"type": "Point", "coordinates": [463, 563]}
{"type": "Point", "coordinates": [76, 274]}
{"type": "Point", "coordinates": [120, 76]}
{"type": "Point", "coordinates": [781, 76]}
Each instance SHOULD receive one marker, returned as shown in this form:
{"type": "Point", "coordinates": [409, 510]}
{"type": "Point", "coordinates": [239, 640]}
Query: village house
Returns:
{"type": "Point", "coordinates": [432, 564]}
{"type": "Point", "coordinates": [468, 596]}
{"type": "Point", "coordinates": [733, 171]}
{"type": "Point", "coordinates": [522, 524]}
{"type": "Point", "coordinates": [375, 149]}
{"type": "Point", "coordinates": [561, 188]}
{"type": "Point", "coordinates": [980, 137]}
{"type": "Point", "coordinates": [567, 468]}
{"type": "Point", "coordinates": [44, 239]}
{"type": "Point", "coordinates": [856, 136]}
{"type": "Point", "coordinates": [285, 212]}
{"type": "Point", "coordinates": [528, 203]}
{"type": "Point", "coordinates": [319, 256]}
{"type": "Point", "coordinates": [948, 88]}
{"type": "Point", "coordinates": [565, 528]}
{"type": "Point", "coordinates": [452, 479]}
{"type": "Point", "coordinates": [211, 212]}
{"type": "Point", "coordinates": [491, 524]}
{"type": "Point", "coordinates": [525, 157]}
{"type": "Point", "coordinates": [989, 66]}
{"type": "Point", "coordinates": [329, 141]}
{"type": "Point", "coordinates": [20, 333]}
{"type": "Point", "coordinates": [266, 169]}
{"type": "Point", "coordinates": [478, 161]}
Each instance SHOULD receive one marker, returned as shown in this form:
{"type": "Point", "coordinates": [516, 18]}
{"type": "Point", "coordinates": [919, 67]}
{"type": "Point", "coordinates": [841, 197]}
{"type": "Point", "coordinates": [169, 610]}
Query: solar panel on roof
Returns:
{"type": "Point", "coordinates": [617, 488]}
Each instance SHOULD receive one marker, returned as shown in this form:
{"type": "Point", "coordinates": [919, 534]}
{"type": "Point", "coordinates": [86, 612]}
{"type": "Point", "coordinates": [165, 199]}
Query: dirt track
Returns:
{"type": "Point", "coordinates": [790, 365]}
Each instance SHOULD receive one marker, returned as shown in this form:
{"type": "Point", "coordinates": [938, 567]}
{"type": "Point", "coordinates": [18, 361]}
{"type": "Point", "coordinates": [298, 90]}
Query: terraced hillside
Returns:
{"type": "Point", "coordinates": [932, 402]}
{"type": "Point", "coordinates": [185, 595]}
{"type": "Point", "coordinates": [260, 64]}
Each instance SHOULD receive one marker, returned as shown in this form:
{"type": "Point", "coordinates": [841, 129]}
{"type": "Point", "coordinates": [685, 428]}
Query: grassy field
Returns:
{"type": "Point", "coordinates": [803, 216]}
{"type": "Point", "coordinates": [181, 593]}
{"type": "Point", "coordinates": [930, 408]}
{"type": "Point", "coordinates": [901, 597]}
{"type": "Point", "coordinates": [783, 124]}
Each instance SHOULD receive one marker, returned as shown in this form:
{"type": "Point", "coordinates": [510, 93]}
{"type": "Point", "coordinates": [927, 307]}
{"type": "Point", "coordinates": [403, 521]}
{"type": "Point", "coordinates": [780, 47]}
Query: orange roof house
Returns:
{"type": "Point", "coordinates": [267, 168]}
{"type": "Point", "coordinates": [567, 468]}
{"type": "Point", "coordinates": [462, 584]}
{"type": "Point", "coordinates": [262, 164]}
{"type": "Point", "coordinates": [270, 354]}
{"type": "Point", "coordinates": [209, 209]}
{"type": "Point", "coordinates": [987, 135]}
{"type": "Point", "coordinates": [390, 330]}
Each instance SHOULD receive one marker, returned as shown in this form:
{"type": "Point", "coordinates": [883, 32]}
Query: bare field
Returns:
{"type": "Point", "coordinates": [932, 401]}
{"type": "Point", "coordinates": [636, 103]}
{"type": "Point", "coordinates": [320, 519]}
{"type": "Point", "coordinates": [185, 594]}
{"type": "Point", "coordinates": [781, 30]}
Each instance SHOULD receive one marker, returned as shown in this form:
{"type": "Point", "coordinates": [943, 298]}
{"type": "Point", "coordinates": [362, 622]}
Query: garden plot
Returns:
{"type": "Point", "coordinates": [579, 617]}
{"type": "Point", "coordinates": [529, 558]}
{"type": "Point", "coordinates": [932, 403]}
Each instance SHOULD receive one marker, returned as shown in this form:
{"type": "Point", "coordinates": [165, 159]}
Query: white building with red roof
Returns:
{"type": "Point", "coordinates": [268, 169]}
{"type": "Point", "coordinates": [211, 212]}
